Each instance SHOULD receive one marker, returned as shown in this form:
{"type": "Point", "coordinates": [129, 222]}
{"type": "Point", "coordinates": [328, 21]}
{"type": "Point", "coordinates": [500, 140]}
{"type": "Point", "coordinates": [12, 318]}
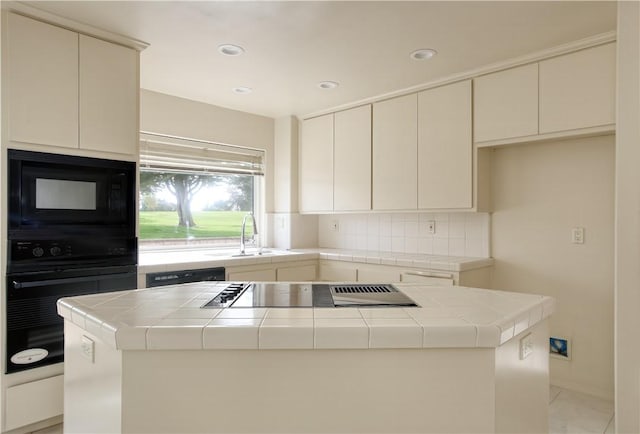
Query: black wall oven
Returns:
{"type": "Point", "coordinates": [71, 231]}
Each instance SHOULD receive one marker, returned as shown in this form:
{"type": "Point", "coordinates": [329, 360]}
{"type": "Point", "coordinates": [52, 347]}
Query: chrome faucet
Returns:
{"type": "Point", "coordinates": [244, 224]}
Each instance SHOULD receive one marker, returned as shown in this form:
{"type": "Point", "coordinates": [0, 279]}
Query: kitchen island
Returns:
{"type": "Point", "coordinates": [464, 360]}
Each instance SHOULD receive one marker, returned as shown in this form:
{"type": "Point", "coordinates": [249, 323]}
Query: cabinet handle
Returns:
{"type": "Point", "coordinates": [429, 274]}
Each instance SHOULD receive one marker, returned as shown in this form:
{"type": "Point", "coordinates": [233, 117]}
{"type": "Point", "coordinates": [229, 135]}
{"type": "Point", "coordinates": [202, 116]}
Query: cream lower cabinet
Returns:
{"type": "Point", "coordinates": [445, 147]}
{"type": "Point", "coordinates": [336, 271]}
{"type": "Point", "coordinates": [241, 274]}
{"type": "Point", "coordinates": [395, 146]}
{"type": "Point", "coordinates": [303, 271]}
{"type": "Point", "coordinates": [340, 271]}
{"type": "Point", "coordinates": [297, 273]}
{"type": "Point", "coordinates": [33, 402]}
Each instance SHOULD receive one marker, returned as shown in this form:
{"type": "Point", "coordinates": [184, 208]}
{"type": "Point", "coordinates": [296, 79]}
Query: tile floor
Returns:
{"type": "Point", "coordinates": [569, 412]}
{"type": "Point", "coordinates": [574, 412]}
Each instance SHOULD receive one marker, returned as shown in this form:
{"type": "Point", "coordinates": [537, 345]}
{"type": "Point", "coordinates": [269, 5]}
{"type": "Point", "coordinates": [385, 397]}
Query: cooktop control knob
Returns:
{"type": "Point", "coordinates": [37, 252]}
{"type": "Point", "coordinates": [55, 251]}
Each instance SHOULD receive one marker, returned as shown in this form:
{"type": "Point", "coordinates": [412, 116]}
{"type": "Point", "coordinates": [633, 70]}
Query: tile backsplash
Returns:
{"type": "Point", "coordinates": [456, 234]}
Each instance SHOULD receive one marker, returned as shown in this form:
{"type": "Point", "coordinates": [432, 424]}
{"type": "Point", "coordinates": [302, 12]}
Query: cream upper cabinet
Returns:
{"type": "Point", "coordinates": [352, 160]}
{"type": "Point", "coordinates": [71, 90]}
{"type": "Point", "coordinates": [42, 67]}
{"type": "Point", "coordinates": [505, 104]}
{"type": "Point", "coordinates": [395, 174]}
{"type": "Point", "coordinates": [577, 90]}
{"type": "Point", "coordinates": [108, 97]}
{"type": "Point", "coordinates": [445, 148]}
{"type": "Point", "coordinates": [316, 164]}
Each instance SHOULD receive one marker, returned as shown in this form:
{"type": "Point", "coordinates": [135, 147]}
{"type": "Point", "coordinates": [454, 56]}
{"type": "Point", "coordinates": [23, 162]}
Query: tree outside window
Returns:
{"type": "Point", "coordinates": [193, 206]}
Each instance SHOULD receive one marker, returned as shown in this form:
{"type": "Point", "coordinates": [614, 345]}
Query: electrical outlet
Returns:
{"type": "Point", "coordinates": [431, 226]}
{"type": "Point", "coordinates": [87, 347]}
{"type": "Point", "coordinates": [526, 346]}
{"type": "Point", "coordinates": [577, 235]}
{"type": "Point", "coordinates": [335, 225]}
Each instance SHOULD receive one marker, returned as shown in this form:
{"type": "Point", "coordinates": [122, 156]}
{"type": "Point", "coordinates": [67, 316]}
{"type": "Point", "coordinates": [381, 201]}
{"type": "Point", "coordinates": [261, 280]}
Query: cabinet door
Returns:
{"type": "Point", "coordinates": [395, 147]}
{"type": "Point", "coordinates": [330, 272]}
{"type": "Point", "coordinates": [268, 275]}
{"type": "Point", "coordinates": [34, 401]}
{"type": "Point", "coordinates": [425, 279]}
{"type": "Point", "coordinates": [108, 97]}
{"type": "Point", "coordinates": [505, 104]}
{"type": "Point", "coordinates": [316, 164]}
{"type": "Point", "coordinates": [378, 275]}
{"type": "Point", "coordinates": [578, 90]}
{"type": "Point", "coordinates": [43, 83]}
{"type": "Point", "coordinates": [352, 160]}
{"type": "Point", "coordinates": [305, 273]}
{"type": "Point", "coordinates": [445, 149]}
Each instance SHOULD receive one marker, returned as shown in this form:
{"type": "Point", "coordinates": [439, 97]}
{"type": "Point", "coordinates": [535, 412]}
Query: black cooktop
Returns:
{"type": "Point", "coordinates": [253, 294]}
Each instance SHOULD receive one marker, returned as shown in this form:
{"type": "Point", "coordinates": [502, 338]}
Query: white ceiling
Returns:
{"type": "Point", "coordinates": [291, 46]}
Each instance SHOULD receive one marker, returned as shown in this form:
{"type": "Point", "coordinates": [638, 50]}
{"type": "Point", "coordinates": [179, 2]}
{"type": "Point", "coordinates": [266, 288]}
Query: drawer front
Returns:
{"type": "Point", "coordinates": [35, 401]}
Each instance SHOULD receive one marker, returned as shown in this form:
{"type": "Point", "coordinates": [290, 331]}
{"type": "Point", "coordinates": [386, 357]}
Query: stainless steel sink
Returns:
{"type": "Point", "coordinates": [233, 254]}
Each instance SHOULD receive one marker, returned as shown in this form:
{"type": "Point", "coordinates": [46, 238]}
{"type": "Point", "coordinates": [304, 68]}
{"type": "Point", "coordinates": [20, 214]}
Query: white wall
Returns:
{"type": "Point", "coordinates": [457, 234]}
{"type": "Point", "coordinates": [627, 224]}
{"type": "Point", "coordinates": [289, 229]}
{"type": "Point", "coordinates": [540, 192]}
{"type": "Point", "coordinates": [166, 114]}
{"type": "Point", "coordinates": [286, 165]}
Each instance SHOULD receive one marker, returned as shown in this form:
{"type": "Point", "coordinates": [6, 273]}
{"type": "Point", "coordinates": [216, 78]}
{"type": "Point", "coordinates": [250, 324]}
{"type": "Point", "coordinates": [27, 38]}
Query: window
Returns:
{"type": "Point", "coordinates": [195, 193]}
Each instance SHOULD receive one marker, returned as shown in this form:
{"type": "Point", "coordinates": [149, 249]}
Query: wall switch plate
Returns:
{"type": "Point", "coordinates": [431, 226]}
{"type": "Point", "coordinates": [335, 225]}
{"type": "Point", "coordinates": [526, 346]}
{"type": "Point", "coordinates": [577, 235]}
{"type": "Point", "coordinates": [88, 348]}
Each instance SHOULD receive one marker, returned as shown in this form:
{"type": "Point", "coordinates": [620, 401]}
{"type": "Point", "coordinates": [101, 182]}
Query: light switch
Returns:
{"type": "Point", "coordinates": [87, 347]}
{"type": "Point", "coordinates": [526, 346]}
{"type": "Point", "coordinates": [577, 235]}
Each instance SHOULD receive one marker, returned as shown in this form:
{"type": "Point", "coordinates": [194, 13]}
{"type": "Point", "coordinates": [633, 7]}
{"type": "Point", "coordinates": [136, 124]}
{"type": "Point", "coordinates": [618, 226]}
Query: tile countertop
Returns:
{"type": "Point", "coordinates": [170, 318]}
{"type": "Point", "coordinates": [172, 260]}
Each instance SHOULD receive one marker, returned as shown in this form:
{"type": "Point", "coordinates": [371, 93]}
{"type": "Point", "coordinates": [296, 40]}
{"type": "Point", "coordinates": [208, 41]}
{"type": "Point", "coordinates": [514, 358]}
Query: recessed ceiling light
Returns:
{"type": "Point", "coordinates": [423, 54]}
{"type": "Point", "coordinates": [230, 49]}
{"type": "Point", "coordinates": [328, 84]}
{"type": "Point", "coordinates": [242, 90]}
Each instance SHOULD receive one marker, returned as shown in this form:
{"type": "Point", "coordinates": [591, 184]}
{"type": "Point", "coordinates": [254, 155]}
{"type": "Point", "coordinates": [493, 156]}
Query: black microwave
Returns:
{"type": "Point", "coordinates": [63, 194]}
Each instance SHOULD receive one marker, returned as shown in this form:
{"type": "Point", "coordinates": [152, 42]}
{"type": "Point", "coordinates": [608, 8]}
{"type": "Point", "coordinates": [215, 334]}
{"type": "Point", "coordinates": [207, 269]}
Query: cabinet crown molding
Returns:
{"type": "Point", "coordinates": [558, 50]}
{"type": "Point", "coordinates": [56, 20]}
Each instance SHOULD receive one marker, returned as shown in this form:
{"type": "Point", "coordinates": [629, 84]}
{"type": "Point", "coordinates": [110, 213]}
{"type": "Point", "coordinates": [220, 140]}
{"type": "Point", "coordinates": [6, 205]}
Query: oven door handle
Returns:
{"type": "Point", "coordinates": [40, 283]}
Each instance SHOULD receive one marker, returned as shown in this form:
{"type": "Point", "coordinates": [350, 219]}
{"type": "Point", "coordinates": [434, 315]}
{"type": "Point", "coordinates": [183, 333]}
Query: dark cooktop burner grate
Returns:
{"type": "Point", "coordinates": [362, 289]}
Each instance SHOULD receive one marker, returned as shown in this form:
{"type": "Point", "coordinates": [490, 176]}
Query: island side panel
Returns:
{"type": "Point", "coordinates": [309, 391]}
{"type": "Point", "coordinates": [522, 385]}
{"type": "Point", "coordinates": [92, 389]}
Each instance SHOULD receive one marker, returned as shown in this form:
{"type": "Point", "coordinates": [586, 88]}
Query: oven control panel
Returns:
{"type": "Point", "coordinates": [21, 250]}
{"type": "Point", "coordinates": [40, 254]}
